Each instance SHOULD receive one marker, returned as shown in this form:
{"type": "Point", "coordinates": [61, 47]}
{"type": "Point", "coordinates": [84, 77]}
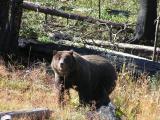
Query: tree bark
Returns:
{"type": "Point", "coordinates": [145, 27]}
{"type": "Point", "coordinates": [15, 21]}
{"type": "Point", "coordinates": [10, 26]}
{"type": "Point", "coordinates": [4, 18]}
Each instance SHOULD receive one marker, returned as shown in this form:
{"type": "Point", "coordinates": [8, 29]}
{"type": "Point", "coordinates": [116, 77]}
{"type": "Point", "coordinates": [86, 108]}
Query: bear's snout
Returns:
{"type": "Point", "coordinates": [61, 64]}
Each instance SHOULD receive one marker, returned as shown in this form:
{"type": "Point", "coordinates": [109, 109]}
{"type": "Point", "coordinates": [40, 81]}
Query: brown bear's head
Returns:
{"type": "Point", "coordinates": [63, 62]}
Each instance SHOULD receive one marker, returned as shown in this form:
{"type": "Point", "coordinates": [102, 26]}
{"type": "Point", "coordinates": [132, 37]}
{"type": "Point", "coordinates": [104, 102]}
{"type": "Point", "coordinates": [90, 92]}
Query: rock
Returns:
{"type": "Point", "coordinates": [107, 112]}
{"type": "Point", "coordinates": [6, 117]}
{"type": "Point", "coordinates": [103, 113]}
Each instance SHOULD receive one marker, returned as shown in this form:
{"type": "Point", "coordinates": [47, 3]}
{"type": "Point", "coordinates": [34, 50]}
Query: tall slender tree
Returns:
{"type": "Point", "coordinates": [145, 27]}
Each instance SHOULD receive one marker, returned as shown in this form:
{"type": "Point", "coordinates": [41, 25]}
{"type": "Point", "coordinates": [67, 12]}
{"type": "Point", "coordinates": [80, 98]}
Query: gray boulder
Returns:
{"type": "Point", "coordinates": [103, 113]}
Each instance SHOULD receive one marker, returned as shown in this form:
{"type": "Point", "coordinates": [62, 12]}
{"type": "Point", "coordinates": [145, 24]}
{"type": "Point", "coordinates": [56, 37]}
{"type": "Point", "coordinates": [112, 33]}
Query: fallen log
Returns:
{"type": "Point", "coordinates": [35, 114]}
{"type": "Point", "coordinates": [52, 11]}
{"type": "Point", "coordinates": [102, 43]}
{"type": "Point", "coordinates": [106, 44]}
{"type": "Point", "coordinates": [133, 63]}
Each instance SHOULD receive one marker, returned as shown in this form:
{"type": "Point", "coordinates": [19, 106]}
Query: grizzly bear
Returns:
{"type": "Point", "coordinates": [94, 77]}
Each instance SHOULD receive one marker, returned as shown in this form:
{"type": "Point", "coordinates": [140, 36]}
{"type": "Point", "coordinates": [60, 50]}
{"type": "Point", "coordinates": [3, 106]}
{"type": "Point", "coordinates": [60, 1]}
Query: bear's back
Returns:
{"type": "Point", "coordinates": [101, 66]}
{"type": "Point", "coordinates": [97, 66]}
{"type": "Point", "coordinates": [95, 59]}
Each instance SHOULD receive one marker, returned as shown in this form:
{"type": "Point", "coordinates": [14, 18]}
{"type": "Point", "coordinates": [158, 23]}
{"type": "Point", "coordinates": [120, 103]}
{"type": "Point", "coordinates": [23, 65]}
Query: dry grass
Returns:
{"type": "Point", "coordinates": [33, 88]}
{"type": "Point", "coordinates": [137, 100]}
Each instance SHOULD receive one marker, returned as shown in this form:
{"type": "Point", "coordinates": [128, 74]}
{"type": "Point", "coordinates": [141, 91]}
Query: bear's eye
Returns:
{"type": "Point", "coordinates": [58, 57]}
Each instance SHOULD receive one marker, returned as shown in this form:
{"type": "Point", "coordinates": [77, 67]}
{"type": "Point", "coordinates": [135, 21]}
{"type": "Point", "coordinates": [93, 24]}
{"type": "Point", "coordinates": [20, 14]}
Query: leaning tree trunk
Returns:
{"type": "Point", "coordinates": [10, 25]}
{"type": "Point", "coordinates": [145, 27]}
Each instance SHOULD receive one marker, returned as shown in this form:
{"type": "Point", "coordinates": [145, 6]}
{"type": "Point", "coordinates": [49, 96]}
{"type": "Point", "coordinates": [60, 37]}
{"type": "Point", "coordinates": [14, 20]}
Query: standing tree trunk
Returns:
{"type": "Point", "coordinates": [4, 19]}
{"type": "Point", "coordinates": [145, 27]}
{"type": "Point", "coordinates": [10, 26]}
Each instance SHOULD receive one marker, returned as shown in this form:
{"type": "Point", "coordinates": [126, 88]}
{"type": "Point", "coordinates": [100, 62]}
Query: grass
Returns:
{"type": "Point", "coordinates": [34, 88]}
{"type": "Point", "coordinates": [34, 24]}
{"type": "Point", "coordinates": [137, 100]}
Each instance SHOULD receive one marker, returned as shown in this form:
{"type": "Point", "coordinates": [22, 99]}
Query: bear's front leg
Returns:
{"type": "Point", "coordinates": [84, 95]}
{"type": "Point", "coordinates": [61, 95]}
{"type": "Point", "coordinates": [60, 87]}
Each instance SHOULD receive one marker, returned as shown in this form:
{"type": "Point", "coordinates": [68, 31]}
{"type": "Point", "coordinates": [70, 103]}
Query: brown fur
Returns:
{"type": "Point", "coordinates": [93, 75]}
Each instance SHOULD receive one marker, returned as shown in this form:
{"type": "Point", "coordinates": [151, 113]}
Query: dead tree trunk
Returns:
{"type": "Point", "coordinates": [44, 51]}
{"type": "Point", "coordinates": [16, 15]}
{"type": "Point", "coordinates": [4, 17]}
{"type": "Point", "coordinates": [10, 25]}
{"type": "Point", "coordinates": [145, 27]}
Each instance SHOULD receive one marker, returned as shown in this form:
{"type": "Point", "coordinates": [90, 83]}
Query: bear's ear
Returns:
{"type": "Point", "coordinates": [71, 52]}
{"type": "Point", "coordinates": [54, 52]}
